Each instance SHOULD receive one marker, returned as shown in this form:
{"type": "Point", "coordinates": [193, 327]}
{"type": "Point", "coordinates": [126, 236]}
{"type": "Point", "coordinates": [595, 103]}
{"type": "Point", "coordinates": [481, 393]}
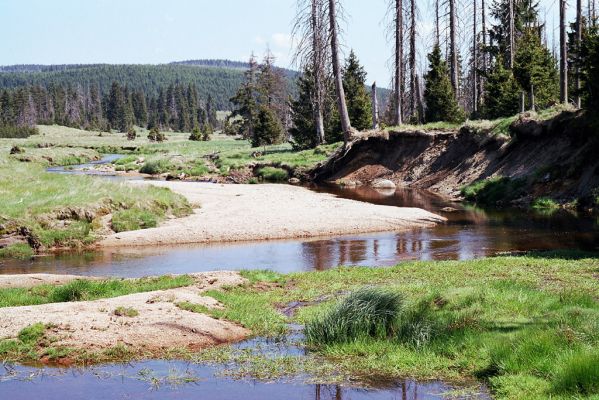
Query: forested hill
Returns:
{"type": "Point", "coordinates": [218, 78]}
{"type": "Point", "coordinates": [220, 82]}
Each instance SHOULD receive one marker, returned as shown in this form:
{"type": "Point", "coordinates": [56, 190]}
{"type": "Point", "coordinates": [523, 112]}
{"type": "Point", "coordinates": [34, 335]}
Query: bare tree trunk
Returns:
{"type": "Point", "coordinates": [474, 61]}
{"type": "Point", "coordinates": [484, 41]}
{"type": "Point", "coordinates": [563, 62]}
{"type": "Point", "coordinates": [453, 43]}
{"type": "Point", "coordinates": [398, 61]}
{"type": "Point", "coordinates": [419, 99]}
{"type": "Point", "coordinates": [578, 48]}
{"type": "Point", "coordinates": [437, 23]}
{"type": "Point", "coordinates": [318, 72]}
{"type": "Point", "coordinates": [522, 102]}
{"type": "Point", "coordinates": [533, 106]}
{"type": "Point", "coordinates": [343, 114]}
{"type": "Point", "coordinates": [512, 34]}
{"type": "Point", "coordinates": [375, 108]}
{"type": "Point", "coordinates": [412, 58]}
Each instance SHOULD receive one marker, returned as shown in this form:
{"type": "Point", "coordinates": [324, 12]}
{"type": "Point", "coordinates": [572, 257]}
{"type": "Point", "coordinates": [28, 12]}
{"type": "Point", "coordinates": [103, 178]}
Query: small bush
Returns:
{"type": "Point", "coordinates": [273, 174]}
{"type": "Point", "coordinates": [133, 219]}
{"type": "Point", "coordinates": [367, 312]}
{"type": "Point", "coordinates": [579, 374]}
{"type": "Point", "coordinates": [156, 136]}
{"type": "Point", "coordinates": [126, 312]}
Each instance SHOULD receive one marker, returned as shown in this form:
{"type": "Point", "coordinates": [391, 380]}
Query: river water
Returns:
{"type": "Point", "coordinates": [469, 233]}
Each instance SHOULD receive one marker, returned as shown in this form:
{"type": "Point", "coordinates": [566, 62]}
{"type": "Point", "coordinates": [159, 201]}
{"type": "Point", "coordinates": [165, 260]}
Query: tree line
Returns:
{"type": "Point", "coordinates": [177, 107]}
{"type": "Point", "coordinates": [508, 67]}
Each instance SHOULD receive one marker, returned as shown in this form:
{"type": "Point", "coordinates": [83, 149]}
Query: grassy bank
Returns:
{"type": "Point", "coordinates": [50, 210]}
{"type": "Point", "coordinates": [526, 326]}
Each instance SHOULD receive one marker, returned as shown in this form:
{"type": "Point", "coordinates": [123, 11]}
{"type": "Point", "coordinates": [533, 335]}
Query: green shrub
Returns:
{"type": "Point", "coordinates": [368, 312]}
{"type": "Point", "coordinates": [273, 174]}
{"type": "Point", "coordinates": [126, 312]}
{"type": "Point", "coordinates": [545, 203]}
{"type": "Point", "coordinates": [17, 132]}
{"type": "Point", "coordinates": [133, 219]}
{"type": "Point", "coordinates": [579, 374]}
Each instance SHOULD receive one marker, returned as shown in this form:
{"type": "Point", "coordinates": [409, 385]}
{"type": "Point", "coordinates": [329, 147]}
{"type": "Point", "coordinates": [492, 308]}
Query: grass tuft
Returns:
{"type": "Point", "coordinates": [367, 312]}
{"type": "Point", "coordinates": [579, 374]}
{"type": "Point", "coordinates": [133, 219]}
{"type": "Point", "coordinates": [126, 312]}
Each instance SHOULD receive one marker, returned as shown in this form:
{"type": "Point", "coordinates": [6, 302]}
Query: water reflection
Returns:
{"type": "Point", "coordinates": [181, 380]}
{"type": "Point", "coordinates": [469, 233]}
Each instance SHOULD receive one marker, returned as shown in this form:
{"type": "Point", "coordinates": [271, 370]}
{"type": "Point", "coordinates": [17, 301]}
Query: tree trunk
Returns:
{"type": "Point", "coordinates": [578, 49]}
{"type": "Point", "coordinates": [398, 61]}
{"type": "Point", "coordinates": [375, 108]}
{"type": "Point", "coordinates": [483, 12]}
{"type": "Point", "coordinates": [419, 99]}
{"type": "Point", "coordinates": [533, 106]}
{"type": "Point", "coordinates": [563, 62]}
{"type": "Point", "coordinates": [342, 105]}
{"type": "Point", "coordinates": [474, 61]}
{"type": "Point", "coordinates": [437, 22]}
{"type": "Point", "coordinates": [453, 46]}
{"type": "Point", "coordinates": [318, 73]}
{"type": "Point", "coordinates": [512, 34]}
{"type": "Point", "coordinates": [412, 57]}
{"type": "Point", "coordinates": [522, 102]}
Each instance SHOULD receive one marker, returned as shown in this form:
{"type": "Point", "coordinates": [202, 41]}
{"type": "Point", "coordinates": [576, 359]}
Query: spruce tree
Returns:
{"type": "Point", "coordinates": [441, 104]}
{"type": "Point", "coordinates": [502, 92]}
{"type": "Point", "coordinates": [117, 109]}
{"type": "Point", "coordinates": [140, 108]}
{"type": "Point", "coordinates": [534, 65]}
{"type": "Point", "coordinates": [590, 62]}
{"type": "Point", "coordinates": [267, 129]}
{"type": "Point", "coordinates": [358, 100]}
{"type": "Point", "coordinates": [303, 131]}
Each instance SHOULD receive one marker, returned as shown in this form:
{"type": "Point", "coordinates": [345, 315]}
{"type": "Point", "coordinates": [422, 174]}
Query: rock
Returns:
{"type": "Point", "coordinates": [383, 184]}
{"type": "Point", "coordinates": [294, 181]}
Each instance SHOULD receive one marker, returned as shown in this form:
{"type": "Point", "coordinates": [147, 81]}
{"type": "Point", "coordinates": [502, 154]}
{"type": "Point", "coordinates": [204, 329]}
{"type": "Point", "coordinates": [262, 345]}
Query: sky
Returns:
{"type": "Point", "coordinates": [159, 31]}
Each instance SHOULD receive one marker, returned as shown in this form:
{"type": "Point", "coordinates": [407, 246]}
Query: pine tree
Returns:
{"type": "Point", "coordinates": [267, 129]}
{"type": "Point", "coordinates": [245, 101]}
{"type": "Point", "coordinates": [303, 131]}
{"type": "Point", "coordinates": [441, 104]}
{"type": "Point", "coordinates": [590, 66]}
{"type": "Point", "coordinates": [117, 109]}
{"type": "Point", "coordinates": [140, 108]}
{"type": "Point", "coordinates": [502, 92]}
{"type": "Point", "coordinates": [359, 106]}
{"type": "Point", "coordinates": [535, 66]}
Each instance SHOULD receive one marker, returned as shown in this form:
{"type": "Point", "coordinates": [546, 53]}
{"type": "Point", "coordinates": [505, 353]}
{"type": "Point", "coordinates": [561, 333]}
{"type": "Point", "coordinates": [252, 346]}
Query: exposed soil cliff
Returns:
{"type": "Point", "coordinates": [557, 158]}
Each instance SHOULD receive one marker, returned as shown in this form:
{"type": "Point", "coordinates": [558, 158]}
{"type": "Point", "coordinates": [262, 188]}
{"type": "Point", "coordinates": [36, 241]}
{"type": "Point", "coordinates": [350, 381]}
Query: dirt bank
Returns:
{"type": "Point", "coordinates": [556, 158]}
{"type": "Point", "coordinates": [158, 326]}
{"type": "Point", "coordinates": [231, 213]}
{"type": "Point", "coordinates": [31, 280]}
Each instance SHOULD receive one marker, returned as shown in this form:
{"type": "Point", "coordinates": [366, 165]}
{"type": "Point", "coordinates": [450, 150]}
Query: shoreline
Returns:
{"type": "Point", "coordinates": [245, 213]}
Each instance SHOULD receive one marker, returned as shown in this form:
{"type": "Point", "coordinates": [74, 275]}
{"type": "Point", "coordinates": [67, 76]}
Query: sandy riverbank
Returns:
{"type": "Point", "coordinates": [160, 325]}
{"type": "Point", "coordinates": [232, 213]}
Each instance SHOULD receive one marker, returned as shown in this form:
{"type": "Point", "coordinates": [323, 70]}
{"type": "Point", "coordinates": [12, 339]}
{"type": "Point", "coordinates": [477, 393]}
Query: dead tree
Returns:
{"type": "Point", "coordinates": [483, 14]}
{"type": "Point", "coordinates": [311, 30]}
{"type": "Point", "coordinates": [419, 101]}
{"type": "Point", "coordinates": [375, 107]}
{"type": "Point", "coordinates": [412, 57]}
{"type": "Point", "coordinates": [398, 78]}
{"type": "Point", "coordinates": [512, 34]}
{"type": "Point", "coordinates": [578, 49]}
{"type": "Point", "coordinates": [474, 61]}
{"type": "Point", "coordinates": [563, 51]}
{"type": "Point", "coordinates": [453, 46]}
{"type": "Point", "coordinates": [337, 77]}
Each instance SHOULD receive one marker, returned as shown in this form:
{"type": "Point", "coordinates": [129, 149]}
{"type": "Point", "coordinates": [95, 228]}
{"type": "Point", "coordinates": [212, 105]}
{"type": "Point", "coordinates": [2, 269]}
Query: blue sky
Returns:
{"type": "Point", "coordinates": [159, 31]}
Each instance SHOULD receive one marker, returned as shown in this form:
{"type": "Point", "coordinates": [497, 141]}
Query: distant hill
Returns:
{"type": "Point", "coordinates": [219, 78]}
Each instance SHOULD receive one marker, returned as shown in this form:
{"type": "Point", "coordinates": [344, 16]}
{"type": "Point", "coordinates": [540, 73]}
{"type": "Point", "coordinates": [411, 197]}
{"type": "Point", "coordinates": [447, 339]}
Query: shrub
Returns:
{"type": "Point", "coordinates": [126, 312]}
{"type": "Point", "coordinates": [156, 167]}
{"type": "Point", "coordinates": [131, 135]}
{"type": "Point", "coordinates": [368, 312]}
{"type": "Point", "coordinates": [156, 136]}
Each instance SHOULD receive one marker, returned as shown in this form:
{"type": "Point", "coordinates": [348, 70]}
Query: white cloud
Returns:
{"type": "Point", "coordinates": [282, 40]}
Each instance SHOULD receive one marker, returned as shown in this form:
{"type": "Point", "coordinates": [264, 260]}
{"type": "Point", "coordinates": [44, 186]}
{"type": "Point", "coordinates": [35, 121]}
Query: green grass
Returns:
{"type": "Point", "coordinates": [133, 219]}
{"type": "Point", "coordinates": [83, 290]}
{"type": "Point", "coordinates": [368, 312]}
{"type": "Point", "coordinates": [273, 174]}
{"type": "Point", "coordinates": [515, 323]}
{"type": "Point", "coordinates": [496, 191]}
{"type": "Point", "coordinates": [65, 210]}
{"type": "Point", "coordinates": [545, 204]}
{"type": "Point", "coordinates": [20, 250]}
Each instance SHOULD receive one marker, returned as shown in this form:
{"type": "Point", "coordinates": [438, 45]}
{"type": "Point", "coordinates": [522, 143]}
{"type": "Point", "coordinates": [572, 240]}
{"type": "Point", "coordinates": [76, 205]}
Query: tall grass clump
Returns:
{"type": "Point", "coordinates": [273, 174]}
{"type": "Point", "coordinates": [579, 374]}
{"type": "Point", "coordinates": [368, 312]}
